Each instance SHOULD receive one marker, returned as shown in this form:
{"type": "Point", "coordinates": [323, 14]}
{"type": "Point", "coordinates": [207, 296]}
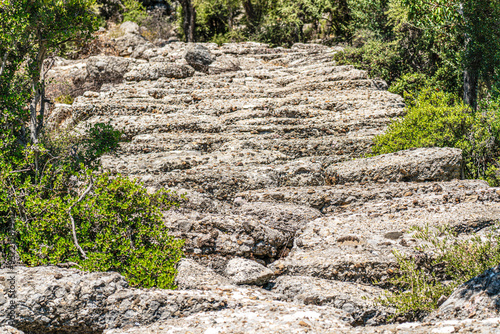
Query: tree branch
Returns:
{"type": "Point", "coordinates": [75, 240]}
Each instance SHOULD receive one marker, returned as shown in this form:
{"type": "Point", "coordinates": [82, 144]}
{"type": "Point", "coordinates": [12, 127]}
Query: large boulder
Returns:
{"type": "Point", "coordinates": [107, 69]}
{"type": "Point", "coordinates": [479, 298]}
{"type": "Point", "coordinates": [199, 57]}
{"type": "Point", "coordinates": [245, 271]}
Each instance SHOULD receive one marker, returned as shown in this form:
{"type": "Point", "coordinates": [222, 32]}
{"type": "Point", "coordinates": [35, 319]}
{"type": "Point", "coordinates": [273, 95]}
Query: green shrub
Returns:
{"type": "Point", "coordinates": [454, 261]}
{"type": "Point", "coordinates": [213, 18]}
{"type": "Point", "coordinates": [380, 59]}
{"type": "Point", "coordinates": [118, 225]}
{"type": "Point", "coordinates": [437, 119]}
{"type": "Point", "coordinates": [65, 99]}
{"type": "Point", "coordinates": [134, 11]}
{"type": "Point", "coordinates": [409, 85]}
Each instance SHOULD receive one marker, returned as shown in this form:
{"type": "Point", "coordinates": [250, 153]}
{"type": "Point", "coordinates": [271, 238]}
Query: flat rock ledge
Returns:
{"type": "Point", "coordinates": [415, 165]}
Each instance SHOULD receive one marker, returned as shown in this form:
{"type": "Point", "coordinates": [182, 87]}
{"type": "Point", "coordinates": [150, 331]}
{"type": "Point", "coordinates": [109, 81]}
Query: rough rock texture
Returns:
{"type": "Point", "coordinates": [154, 71]}
{"type": "Point", "coordinates": [71, 301]}
{"type": "Point", "coordinates": [424, 164]}
{"type": "Point", "coordinates": [107, 69]}
{"type": "Point", "coordinates": [355, 299]}
{"type": "Point", "coordinates": [245, 271]}
{"type": "Point", "coordinates": [191, 275]}
{"type": "Point", "coordinates": [268, 145]}
{"type": "Point", "coordinates": [478, 298]}
{"type": "Point", "coordinates": [131, 43]}
{"type": "Point", "coordinates": [199, 57]}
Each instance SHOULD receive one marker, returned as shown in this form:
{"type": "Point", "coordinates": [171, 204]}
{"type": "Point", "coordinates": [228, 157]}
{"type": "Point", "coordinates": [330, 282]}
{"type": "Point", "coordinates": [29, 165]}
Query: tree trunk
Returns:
{"type": "Point", "coordinates": [470, 87]}
{"type": "Point", "coordinates": [253, 16]}
{"type": "Point", "coordinates": [189, 19]}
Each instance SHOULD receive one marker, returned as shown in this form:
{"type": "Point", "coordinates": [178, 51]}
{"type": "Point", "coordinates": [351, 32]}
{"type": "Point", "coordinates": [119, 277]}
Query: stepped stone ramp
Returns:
{"type": "Point", "coordinates": [269, 145]}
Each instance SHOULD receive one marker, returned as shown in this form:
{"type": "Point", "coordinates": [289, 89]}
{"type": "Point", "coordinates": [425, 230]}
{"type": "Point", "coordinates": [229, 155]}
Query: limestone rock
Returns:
{"type": "Point", "coordinates": [154, 71]}
{"type": "Point", "coordinates": [131, 43]}
{"type": "Point", "coordinates": [129, 27]}
{"type": "Point", "coordinates": [199, 57]}
{"type": "Point", "coordinates": [51, 299]}
{"type": "Point", "coordinates": [358, 300]}
{"type": "Point", "coordinates": [479, 298]}
{"type": "Point", "coordinates": [108, 69]}
{"type": "Point", "coordinates": [224, 63]}
{"type": "Point", "coordinates": [245, 271]}
{"type": "Point", "coordinates": [423, 164]}
{"type": "Point", "coordinates": [191, 275]}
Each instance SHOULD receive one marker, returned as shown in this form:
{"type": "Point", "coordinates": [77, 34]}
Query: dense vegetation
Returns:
{"type": "Point", "coordinates": [56, 205]}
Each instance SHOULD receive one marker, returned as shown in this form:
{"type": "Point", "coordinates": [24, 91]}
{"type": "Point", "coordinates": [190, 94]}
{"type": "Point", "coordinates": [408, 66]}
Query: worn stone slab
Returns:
{"type": "Point", "coordinates": [191, 275]}
{"type": "Point", "coordinates": [358, 247]}
{"type": "Point", "coordinates": [244, 271]}
{"type": "Point", "coordinates": [56, 300]}
{"type": "Point", "coordinates": [479, 298]}
{"type": "Point", "coordinates": [358, 300]}
{"type": "Point", "coordinates": [414, 165]}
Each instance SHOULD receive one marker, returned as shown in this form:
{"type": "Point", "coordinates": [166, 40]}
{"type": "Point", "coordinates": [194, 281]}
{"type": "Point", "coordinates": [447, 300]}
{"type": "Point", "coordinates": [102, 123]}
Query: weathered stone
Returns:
{"type": "Point", "coordinates": [154, 71]}
{"type": "Point", "coordinates": [358, 300]}
{"type": "Point", "coordinates": [9, 330]}
{"type": "Point", "coordinates": [423, 164]}
{"type": "Point", "coordinates": [268, 145]}
{"type": "Point", "coordinates": [191, 275]}
{"type": "Point", "coordinates": [245, 271]}
{"type": "Point", "coordinates": [129, 27]}
{"type": "Point", "coordinates": [131, 43]}
{"type": "Point", "coordinates": [56, 300]}
{"type": "Point", "coordinates": [199, 57]}
{"type": "Point", "coordinates": [107, 69]}
{"type": "Point", "coordinates": [479, 298]}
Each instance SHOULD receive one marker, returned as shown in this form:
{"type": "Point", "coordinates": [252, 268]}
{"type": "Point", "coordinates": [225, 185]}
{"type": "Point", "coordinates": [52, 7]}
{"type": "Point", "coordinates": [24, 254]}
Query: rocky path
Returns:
{"type": "Point", "coordinates": [269, 145]}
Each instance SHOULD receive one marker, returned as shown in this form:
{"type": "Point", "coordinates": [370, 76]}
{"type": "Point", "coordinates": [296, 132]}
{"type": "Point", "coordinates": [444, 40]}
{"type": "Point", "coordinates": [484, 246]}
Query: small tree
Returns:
{"type": "Point", "coordinates": [475, 24]}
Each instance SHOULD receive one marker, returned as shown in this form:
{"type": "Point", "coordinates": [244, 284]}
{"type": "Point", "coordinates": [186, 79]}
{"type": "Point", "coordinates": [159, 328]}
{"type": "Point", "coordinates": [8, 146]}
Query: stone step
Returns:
{"type": "Point", "coordinates": [358, 246]}
{"type": "Point", "coordinates": [423, 164]}
{"type": "Point", "coordinates": [391, 197]}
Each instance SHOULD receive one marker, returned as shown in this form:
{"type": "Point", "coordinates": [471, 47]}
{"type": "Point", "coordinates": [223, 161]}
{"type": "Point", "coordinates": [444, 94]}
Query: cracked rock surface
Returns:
{"type": "Point", "coordinates": [287, 224]}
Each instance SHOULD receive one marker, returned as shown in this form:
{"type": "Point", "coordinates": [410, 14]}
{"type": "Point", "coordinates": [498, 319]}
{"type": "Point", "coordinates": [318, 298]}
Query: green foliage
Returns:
{"type": "Point", "coordinates": [370, 15]}
{"type": "Point", "coordinates": [134, 11]}
{"type": "Point", "coordinates": [380, 59]}
{"type": "Point", "coordinates": [418, 290]}
{"type": "Point", "coordinates": [119, 226]}
{"type": "Point", "coordinates": [457, 260]}
{"type": "Point", "coordinates": [440, 119]}
{"type": "Point", "coordinates": [118, 223]}
{"type": "Point", "coordinates": [53, 200]}
{"type": "Point", "coordinates": [215, 17]}
{"type": "Point", "coordinates": [99, 139]}
{"type": "Point", "coordinates": [65, 99]}
{"type": "Point", "coordinates": [409, 85]}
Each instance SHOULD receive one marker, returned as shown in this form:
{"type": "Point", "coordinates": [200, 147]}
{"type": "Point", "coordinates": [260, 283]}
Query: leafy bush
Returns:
{"type": "Point", "coordinates": [437, 119]}
{"type": "Point", "coordinates": [134, 11]}
{"type": "Point", "coordinates": [409, 85]}
{"type": "Point", "coordinates": [380, 59]}
{"type": "Point", "coordinates": [66, 99]}
{"type": "Point", "coordinates": [118, 225]}
{"type": "Point", "coordinates": [55, 208]}
{"type": "Point", "coordinates": [454, 261]}
{"type": "Point", "coordinates": [214, 18]}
